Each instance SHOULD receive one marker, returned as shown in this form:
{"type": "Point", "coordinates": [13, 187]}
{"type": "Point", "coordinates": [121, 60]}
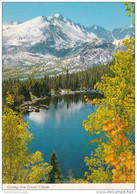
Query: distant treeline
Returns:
{"type": "Point", "coordinates": [25, 90]}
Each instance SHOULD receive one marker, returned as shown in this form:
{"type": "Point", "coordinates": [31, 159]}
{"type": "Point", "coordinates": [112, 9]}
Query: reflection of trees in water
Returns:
{"type": "Point", "coordinates": [55, 101]}
{"type": "Point", "coordinates": [73, 98]}
{"type": "Point", "coordinates": [68, 99]}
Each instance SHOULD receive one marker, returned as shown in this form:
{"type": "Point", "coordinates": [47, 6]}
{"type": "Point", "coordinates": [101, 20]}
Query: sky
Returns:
{"type": "Point", "coordinates": [109, 15]}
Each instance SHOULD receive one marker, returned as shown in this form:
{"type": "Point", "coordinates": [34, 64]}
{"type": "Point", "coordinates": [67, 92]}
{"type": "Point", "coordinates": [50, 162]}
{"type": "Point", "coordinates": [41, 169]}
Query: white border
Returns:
{"type": "Point", "coordinates": [42, 187]}
{"type": "Point", "coordinates": [107, 186]}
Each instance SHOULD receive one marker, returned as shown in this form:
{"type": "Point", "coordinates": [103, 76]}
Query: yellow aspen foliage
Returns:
{"type": "Point", "coordinates": [114, 118]}
{"type": "Point", "coordinates": [19, 166]}
{"type": "Point", "coordinates": [130, 8]}
{"type": "Point", "coordinates": [118, 156]}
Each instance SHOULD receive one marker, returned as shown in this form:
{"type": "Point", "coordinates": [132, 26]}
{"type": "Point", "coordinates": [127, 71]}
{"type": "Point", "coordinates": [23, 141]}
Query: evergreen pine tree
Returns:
{"type": "Point", "coordinates": [54, 175]}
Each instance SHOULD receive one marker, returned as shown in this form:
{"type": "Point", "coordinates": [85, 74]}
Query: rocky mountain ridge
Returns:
{"type": "Point", "coordinates": [52, 45]}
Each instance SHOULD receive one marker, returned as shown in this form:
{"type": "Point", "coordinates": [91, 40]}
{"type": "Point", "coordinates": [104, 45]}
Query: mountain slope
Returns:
{"type": "Point", "coordinates": [116, 35]}
{"type": "Point", "coordinates": [50, 45]}
{"type": "Point", "coordinates": [101, 32]}
{"type": "Point", "coordinates": [123, 33]}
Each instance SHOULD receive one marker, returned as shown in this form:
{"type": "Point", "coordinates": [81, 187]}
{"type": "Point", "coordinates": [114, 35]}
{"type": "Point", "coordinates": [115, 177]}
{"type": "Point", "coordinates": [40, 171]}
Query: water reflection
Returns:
{"type": "Point", "coordinates": [58, 112]}
{"type": "Point", "coordinates": [59, 128]}
{"type": "Point", "coordinates": [39, 117]}
{"type": "Point", "coordinates": [68, 99]}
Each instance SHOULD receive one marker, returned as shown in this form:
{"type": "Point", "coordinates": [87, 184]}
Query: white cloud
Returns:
{"type": "Point", "coordinates": [58, 113]}
{"type": "Point", "coordinates": [63, 112]}
{"type": "Point", "coordinates": [39, 117]}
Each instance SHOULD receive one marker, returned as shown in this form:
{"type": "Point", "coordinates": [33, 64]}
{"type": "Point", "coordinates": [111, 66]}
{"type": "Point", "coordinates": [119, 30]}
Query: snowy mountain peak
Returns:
{"type": "Point", "coordinates": [95, 27]}
{"type": "Point", "coordinates": [58, 40]}
{"type": "Point", "coordinates": [56, 16]}
{"type": "Point", "coordinates": [38, 19]}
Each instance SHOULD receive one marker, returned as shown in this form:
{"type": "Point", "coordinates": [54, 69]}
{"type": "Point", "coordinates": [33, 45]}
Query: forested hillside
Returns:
{"type": "Point", "coordinates": [24, 90]}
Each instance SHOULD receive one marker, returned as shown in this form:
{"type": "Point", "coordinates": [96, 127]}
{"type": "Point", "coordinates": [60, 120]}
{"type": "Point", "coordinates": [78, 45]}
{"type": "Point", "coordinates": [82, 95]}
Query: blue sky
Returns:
{"type": "Point", "coordinates": [109, 15]}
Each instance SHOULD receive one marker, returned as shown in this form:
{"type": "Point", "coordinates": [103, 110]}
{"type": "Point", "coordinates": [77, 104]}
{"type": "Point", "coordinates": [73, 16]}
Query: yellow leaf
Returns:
{"type": "Point", "coordinates": [129, 155]}
{"type": "Point", "coordinates": [122, 178]}
{"type": "Point", "coordinates": [113, 132]}
{"type": "Point", "coordinates": [128, 164]}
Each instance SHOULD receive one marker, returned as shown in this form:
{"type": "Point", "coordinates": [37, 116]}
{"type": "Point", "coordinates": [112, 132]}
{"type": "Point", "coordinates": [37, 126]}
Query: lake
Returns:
{"type": "Point", "coordinates": [60, 129]}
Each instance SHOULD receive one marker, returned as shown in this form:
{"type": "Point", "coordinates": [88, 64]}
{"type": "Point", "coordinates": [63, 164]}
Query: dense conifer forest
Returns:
{"type": "Point", "coordinates": [25, 90]}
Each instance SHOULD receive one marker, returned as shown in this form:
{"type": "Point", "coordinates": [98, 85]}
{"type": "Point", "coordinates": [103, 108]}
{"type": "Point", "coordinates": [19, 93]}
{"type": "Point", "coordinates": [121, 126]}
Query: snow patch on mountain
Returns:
{"type": "Point", "coordinates": [72, 30]}
{"type": "Point", "coordinates": [56, 43]}
{"type": "Point", "coordinates": [27, 33]}
{"type": "Point", "coordinates": [126, 28]}
{"type": "Point", "coordinates": [95, 28]}
{"type": "Point", "coordinates": [7, 25]}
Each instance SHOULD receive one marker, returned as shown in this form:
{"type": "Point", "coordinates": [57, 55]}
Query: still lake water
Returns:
{"type": "Point", "coordinates": [60, 129]}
